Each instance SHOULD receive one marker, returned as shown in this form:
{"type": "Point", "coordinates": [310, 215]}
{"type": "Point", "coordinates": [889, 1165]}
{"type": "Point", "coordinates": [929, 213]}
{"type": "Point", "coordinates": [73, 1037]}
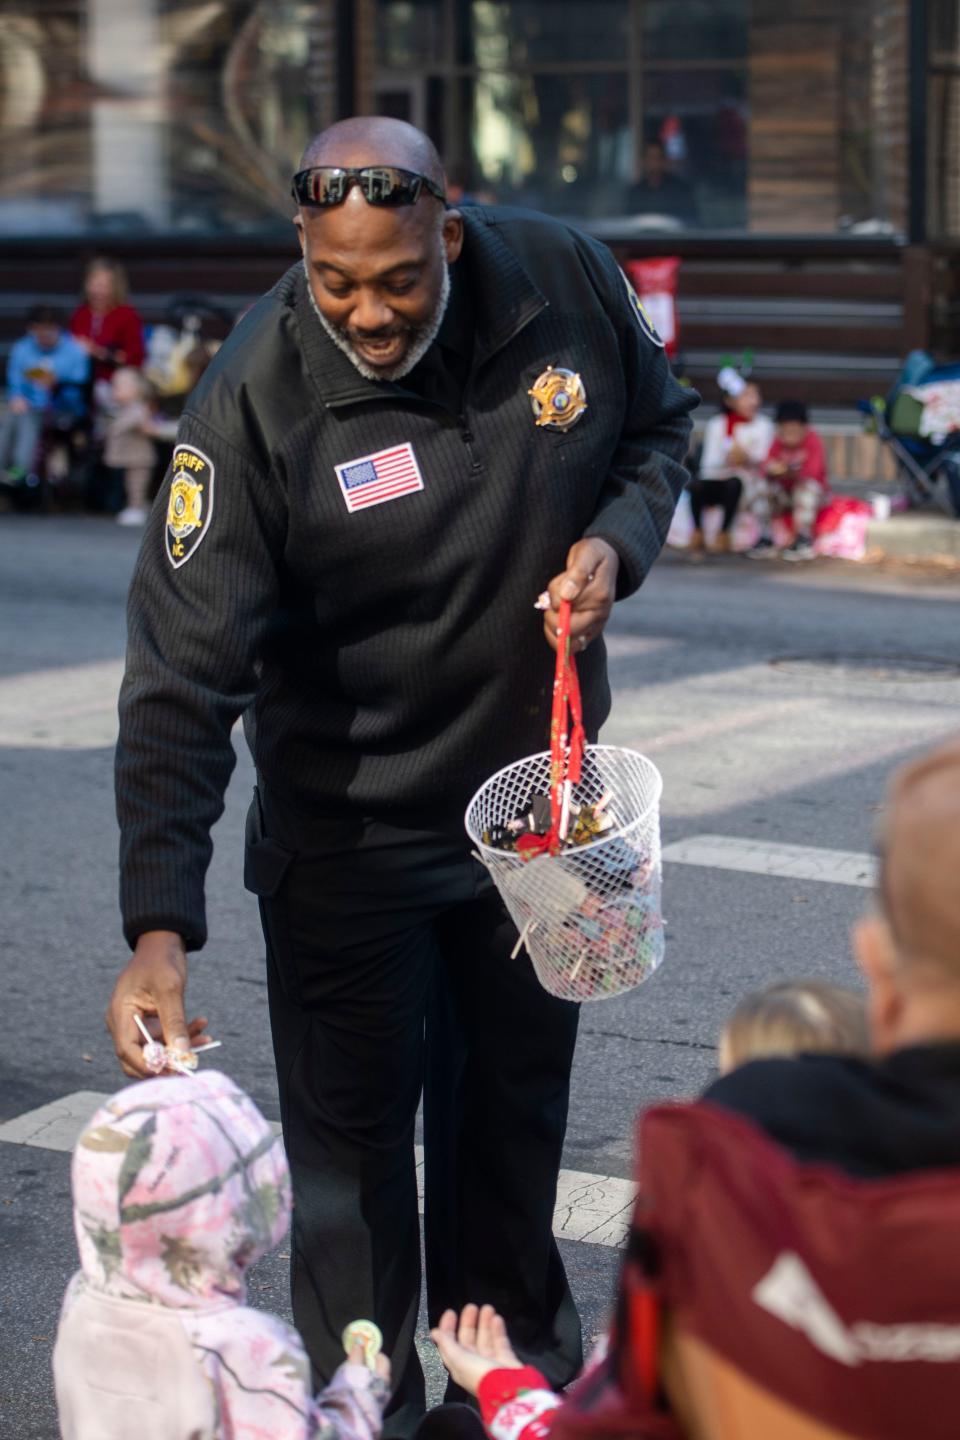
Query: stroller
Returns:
{"type": "Point", "coordinates": [920, 421]}
{"type": "Point", "coordinates": [180, 350]}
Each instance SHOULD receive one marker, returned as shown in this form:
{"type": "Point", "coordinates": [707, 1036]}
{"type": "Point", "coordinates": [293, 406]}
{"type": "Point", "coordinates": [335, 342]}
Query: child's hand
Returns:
{"type": "Point", "coordinates": [777, 468]}
{"type": "Point", "coordinates": [736, 455]}
{"type": "Point", "coordinates": [475, 1346]}
{"type": "Point", "coordinates": [381, 1365]}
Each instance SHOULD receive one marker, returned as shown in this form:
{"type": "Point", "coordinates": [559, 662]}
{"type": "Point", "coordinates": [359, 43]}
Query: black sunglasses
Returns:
{"type": "Point", "coordinates": [381, 185]}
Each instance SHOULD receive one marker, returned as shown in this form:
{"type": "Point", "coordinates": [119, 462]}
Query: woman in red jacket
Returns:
{"type": "Point", "coordinates": [107, 327]}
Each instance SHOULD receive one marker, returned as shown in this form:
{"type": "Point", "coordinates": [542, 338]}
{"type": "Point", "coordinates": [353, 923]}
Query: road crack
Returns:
{"type": "Point", "coordinates": [650, 1040]}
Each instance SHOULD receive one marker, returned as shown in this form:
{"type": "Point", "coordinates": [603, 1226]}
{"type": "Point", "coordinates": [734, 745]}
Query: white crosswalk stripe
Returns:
{"type": "Point", "coordinates": [591, 1209]}
{"type": "Point", "coordinates": [761, 857]}
{"type": "Point", "coordinates": [71, 707]}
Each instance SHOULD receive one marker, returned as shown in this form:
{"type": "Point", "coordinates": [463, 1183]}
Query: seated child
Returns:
{"type": "Point", "coordinates": [794, 1018]}
{"type": "Point", "coordinates": [794, 482]}
{"type": "Point", "coordinates": [179, 1185]}
{"type": "Point", "coordinates": [46, 373]}
{"type": "Point", "coordinates": [735, 446]}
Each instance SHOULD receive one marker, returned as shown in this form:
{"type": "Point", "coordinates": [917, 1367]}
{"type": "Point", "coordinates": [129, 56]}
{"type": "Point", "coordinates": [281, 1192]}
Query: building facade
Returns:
{"type": "Point", "coordinates": [750, 133]}
{"type": "Point", "coordinates": [179, 117]}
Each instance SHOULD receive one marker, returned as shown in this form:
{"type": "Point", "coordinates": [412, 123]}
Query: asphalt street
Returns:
{"type": "Point", "coordinates": [776, 701]}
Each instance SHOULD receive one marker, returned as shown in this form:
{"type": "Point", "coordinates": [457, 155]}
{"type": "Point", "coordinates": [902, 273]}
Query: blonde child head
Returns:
{"type": "Point", "coordinates": [129, 385]}
{"type": "Point", "coordinates": [794, 1017]}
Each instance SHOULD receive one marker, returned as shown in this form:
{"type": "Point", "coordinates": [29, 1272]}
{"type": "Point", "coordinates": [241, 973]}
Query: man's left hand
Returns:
{"type": "Point", "coordinates": [590, 584]}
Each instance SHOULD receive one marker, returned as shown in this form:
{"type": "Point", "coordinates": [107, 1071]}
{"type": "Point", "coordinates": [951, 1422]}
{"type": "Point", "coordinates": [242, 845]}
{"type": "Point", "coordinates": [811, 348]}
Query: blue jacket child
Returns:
{"type": "Point", "coordinates": [46, 380]}
{"type": "Point", "coordinates": [47, 358]}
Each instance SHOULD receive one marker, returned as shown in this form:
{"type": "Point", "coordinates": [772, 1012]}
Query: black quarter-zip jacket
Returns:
{"type": "Point", "coordinates": [388, 659]}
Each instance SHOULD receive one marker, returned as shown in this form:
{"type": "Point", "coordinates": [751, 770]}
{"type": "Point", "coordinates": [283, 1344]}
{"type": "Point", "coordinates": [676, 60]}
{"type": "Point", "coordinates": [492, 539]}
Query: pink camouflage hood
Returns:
{"type": "Point", "coordinates": [179, 1185]}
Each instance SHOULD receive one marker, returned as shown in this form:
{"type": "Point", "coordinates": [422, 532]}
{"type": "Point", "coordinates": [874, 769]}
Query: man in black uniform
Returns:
{"type": "Point", "coordinates": [431, 420]}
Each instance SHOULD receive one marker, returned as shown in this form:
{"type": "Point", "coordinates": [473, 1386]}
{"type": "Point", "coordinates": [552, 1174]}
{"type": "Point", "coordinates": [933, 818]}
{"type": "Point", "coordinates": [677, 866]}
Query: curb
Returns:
{"type": "Point", "coordinates": [916, 537]}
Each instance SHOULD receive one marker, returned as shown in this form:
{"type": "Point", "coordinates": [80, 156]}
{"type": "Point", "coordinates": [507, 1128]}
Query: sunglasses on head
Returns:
{"type": "Point", "coordinates": [381, 185]}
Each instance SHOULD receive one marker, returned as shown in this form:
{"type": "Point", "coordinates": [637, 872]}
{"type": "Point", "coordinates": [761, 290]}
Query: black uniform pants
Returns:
{"type": "Point", "coordinates": [389, 972]}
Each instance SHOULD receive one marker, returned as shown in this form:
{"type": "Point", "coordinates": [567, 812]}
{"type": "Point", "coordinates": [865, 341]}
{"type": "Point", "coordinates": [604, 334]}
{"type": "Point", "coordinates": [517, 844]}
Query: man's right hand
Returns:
{"type": "Point", "coordinates": [153, 983]}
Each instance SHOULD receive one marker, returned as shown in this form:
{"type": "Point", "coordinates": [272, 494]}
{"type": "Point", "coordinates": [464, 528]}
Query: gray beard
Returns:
{"type": "Point", "coordinates": [423, 338]}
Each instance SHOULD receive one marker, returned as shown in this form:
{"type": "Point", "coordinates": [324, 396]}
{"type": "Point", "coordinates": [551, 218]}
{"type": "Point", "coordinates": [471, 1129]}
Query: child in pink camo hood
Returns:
{"type": "Point", "coordinates": [179, 1185]}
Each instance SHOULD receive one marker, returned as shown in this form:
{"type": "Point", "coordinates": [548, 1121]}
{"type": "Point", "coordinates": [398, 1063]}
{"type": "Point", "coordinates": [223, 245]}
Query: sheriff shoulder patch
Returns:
{"type": "Point", "coordinates": [190, 506]}
{"type": "Point", "coordinates": [640, 314]}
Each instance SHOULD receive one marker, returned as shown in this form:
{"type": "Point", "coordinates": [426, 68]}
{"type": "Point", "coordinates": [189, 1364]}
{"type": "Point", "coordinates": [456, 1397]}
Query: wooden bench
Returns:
{"type": "Point", "coordinates": [228, 273]}
{"type": "Point", "coordinates": [829, 320]}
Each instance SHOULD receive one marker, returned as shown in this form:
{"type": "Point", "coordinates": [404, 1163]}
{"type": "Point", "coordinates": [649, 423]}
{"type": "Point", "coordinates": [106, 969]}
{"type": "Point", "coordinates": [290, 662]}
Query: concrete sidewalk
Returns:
{"type": "Point", "coordinates": [917, 535]}
{"type": "Point", "coordinates": [928, 534]}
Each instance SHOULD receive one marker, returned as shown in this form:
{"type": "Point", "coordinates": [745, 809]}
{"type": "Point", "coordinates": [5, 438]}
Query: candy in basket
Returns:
{"type": "Point", "coordinates": [571, 838]}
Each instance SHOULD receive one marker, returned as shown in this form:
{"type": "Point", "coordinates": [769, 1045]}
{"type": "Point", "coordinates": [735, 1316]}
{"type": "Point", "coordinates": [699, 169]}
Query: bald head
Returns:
{"type": "Point", "coordinates": [375, 140]}
{"type": "Point", "coordinates": [920, 877]}
{"type": "Point", "coordinates": [378, 274]}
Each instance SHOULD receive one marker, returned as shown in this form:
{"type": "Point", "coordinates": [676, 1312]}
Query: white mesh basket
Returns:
{"type": "Point", "coordinates": [590, 916]}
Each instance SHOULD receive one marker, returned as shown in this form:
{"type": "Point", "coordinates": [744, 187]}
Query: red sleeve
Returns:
{"type": "Point", "coordinates": [775, 451]}
{"type": "Point", "coordinates": [517, 1404]}
{"type": "Point", "coordinates": [80, 321]}
{"type": "Point", "coordinates": [129, 336]}
{"type": "Point", "coordinates": [816, 466]}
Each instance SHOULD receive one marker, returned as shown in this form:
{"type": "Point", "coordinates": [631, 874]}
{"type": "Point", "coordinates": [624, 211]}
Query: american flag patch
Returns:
{"type": "Point", "coordinates": [375, 478]}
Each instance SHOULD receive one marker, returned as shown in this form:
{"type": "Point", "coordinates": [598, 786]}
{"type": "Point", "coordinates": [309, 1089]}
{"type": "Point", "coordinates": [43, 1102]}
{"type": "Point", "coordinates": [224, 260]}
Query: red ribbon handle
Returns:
{"type": "Point", "coordinates": [567, 739]}
{"type": "Point", "coordinates": [567, 743]}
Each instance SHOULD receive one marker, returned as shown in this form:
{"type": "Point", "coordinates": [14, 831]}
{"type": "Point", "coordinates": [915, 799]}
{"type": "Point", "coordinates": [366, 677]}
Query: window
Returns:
{"type": "Point", "coordinates": [943, 118]}
{"type": "Point", "coordinates": [186, 117]}
{"type": "Point", "coordinates": [642, 115]}
{"type": "Point", "coordinates": [564, 105]}
{"type": "Point", "coordinates": [158, 115]}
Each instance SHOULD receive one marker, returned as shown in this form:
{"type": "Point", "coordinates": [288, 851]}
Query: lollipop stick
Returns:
{"type": "Point", "coordinates": [524, 933]}
{"type": "Point", "coordinates": [565, 810]}
{"type": "Point", "coordinates": [143, 1029]}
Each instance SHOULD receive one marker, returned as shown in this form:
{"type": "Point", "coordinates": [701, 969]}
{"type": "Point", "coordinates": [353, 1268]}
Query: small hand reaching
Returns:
{"type": "Point", "coordinates": [474, 1345]}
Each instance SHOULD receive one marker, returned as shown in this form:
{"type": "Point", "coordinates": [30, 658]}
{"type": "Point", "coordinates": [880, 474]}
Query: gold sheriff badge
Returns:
{"type": "Point", "coordinates": [558, 398]}
{"type": "Point", "coordinates": [189, 504]}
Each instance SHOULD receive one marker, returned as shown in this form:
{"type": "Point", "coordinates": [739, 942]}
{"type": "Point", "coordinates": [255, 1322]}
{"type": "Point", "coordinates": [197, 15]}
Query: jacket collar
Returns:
{"type": "Point", "coordinates": [505, 299]}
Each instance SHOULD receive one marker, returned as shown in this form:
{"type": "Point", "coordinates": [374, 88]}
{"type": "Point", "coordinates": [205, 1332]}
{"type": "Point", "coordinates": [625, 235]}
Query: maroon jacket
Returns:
{"type": "Point", "coordinates": [836, 1295]}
